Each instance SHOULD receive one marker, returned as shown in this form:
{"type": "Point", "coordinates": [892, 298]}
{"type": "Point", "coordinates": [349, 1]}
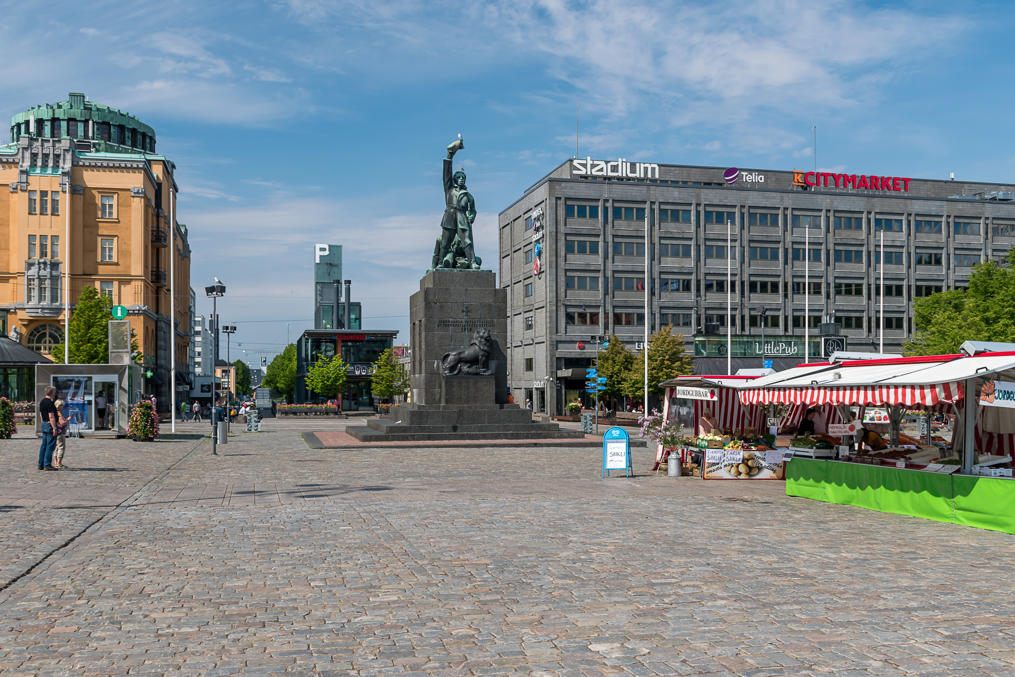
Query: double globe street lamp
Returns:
{"type": "Point", "coordinates": [214, 292]}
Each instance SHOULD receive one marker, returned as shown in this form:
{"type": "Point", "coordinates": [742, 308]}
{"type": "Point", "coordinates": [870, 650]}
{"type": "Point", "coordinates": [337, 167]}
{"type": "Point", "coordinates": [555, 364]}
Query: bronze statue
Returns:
{"type": "Point", "coordinates": [472, 360]}
{"type": "Point", "coordinates": [454, 248]}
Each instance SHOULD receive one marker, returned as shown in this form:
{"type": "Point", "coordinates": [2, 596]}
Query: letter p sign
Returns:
{"type": "Point", "coordinates": [319, 251]}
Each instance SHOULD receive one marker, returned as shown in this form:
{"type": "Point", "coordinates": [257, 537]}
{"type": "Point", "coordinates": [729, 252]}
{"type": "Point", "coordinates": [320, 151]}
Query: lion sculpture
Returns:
{"type": "Point", "coordinates": [472, 360]}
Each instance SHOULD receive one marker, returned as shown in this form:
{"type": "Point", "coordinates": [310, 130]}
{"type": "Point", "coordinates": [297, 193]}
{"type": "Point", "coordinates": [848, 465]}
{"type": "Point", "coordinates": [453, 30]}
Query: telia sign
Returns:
{"type": "Point", "coordinates": [617, 168]}
{"type": "Point", "coordinates": [732, 175]}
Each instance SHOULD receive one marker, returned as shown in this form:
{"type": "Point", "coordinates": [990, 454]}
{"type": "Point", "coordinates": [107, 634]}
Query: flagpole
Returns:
{"type": "Point", "coordinates": [172, 303]}
{"type": "Point", "coordinates": [881, 338]}
{"type": "Point", "coordinates": [807, 293]}
{"type": "Point", "coordinates": [729, 297]}
{"type": "Point", "coordinates": [644, 345]}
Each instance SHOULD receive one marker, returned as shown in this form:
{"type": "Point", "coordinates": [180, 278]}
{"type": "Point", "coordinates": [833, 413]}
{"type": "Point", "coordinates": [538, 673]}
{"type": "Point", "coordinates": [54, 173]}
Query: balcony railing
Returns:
{"type": "Point", "coordinates": [160, 237]}
{"type": "Point", "coordinates": [159, 277]}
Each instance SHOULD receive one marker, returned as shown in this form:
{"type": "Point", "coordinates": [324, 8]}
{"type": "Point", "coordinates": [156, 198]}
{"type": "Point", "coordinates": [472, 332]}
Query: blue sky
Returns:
{"type": "Point", "coordinates": [303, 121]}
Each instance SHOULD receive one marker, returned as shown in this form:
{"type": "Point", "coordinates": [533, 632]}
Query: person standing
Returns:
{"type": "Point", "coordinates": [47, 413]}
{"type": "Point", "coordinates": [100, 410]}
{"type": "Point", "coordinates": [197, 411]}
{"type": "Point", "coordinates": [61, 435]}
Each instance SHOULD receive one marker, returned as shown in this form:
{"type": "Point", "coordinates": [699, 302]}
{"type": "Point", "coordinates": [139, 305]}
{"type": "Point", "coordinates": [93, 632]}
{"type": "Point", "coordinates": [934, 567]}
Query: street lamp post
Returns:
{"type": "Point", "coordinates": [764, 312]}
{"type": "Point", "coordinates": [229, 330]}
{"type": "Point", "coordinates": [214, 292]}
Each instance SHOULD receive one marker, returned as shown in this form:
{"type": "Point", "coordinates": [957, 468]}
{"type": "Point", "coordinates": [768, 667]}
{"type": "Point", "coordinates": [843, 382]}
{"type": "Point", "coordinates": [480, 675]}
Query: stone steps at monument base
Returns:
{"type": "Point", "coordinates": [370, 435]}
{"type": "Point", "coordinates": [460, 416]}
{"type": "Point", "coordinates": [533, 429]}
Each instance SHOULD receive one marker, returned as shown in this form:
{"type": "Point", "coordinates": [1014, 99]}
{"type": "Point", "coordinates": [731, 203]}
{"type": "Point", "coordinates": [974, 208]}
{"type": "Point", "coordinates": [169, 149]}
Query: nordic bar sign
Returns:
{"type": "Point", "coordinates": [857, 181]}
{"type": "Point", "coordinates": [616, 168]}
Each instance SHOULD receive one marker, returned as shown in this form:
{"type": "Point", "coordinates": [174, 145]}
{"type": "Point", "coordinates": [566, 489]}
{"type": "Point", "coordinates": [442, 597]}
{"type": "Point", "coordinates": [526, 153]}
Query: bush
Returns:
{"type": "Point", "coordinates": [7, 424]}
{"type": "Point", "coordinates": [143, 425]}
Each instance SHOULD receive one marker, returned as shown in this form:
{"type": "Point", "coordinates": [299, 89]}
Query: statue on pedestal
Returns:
{"type": "Point", "coordinates": [454, 249]}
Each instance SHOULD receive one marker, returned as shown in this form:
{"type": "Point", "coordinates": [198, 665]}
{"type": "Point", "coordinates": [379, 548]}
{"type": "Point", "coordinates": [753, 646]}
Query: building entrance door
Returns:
{"type": "Point", "coordinates": [105, 401]}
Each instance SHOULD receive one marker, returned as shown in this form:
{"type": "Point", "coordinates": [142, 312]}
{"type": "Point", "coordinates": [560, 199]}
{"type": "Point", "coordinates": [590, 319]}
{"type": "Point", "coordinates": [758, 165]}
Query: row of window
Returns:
{"type": "Point", "coordinates": [755, 321]}
{"type": "Point", "coordinates": [44, 246]}
{"type": "Point", "coordinates": [44, 202]}
{"type": "Point", "coordinates": [42, 290]}
{"type": "Point", "coordinates": [711, 286]}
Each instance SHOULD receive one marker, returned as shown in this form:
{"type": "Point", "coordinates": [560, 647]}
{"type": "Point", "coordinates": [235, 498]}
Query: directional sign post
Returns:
{"type": "Point", "coordinates": [119, 312]}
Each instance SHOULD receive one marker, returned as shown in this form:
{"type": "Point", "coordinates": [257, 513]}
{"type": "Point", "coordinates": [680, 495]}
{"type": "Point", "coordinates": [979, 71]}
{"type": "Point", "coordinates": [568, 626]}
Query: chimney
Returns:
{"type": "Point", "coordinates": [348, 306]}
{"type": "Point", "coordinates": [334, 308]}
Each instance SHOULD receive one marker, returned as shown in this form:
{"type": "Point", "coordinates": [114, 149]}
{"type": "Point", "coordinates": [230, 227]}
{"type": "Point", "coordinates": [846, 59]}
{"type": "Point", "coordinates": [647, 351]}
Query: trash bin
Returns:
{"type": "Point", "coordinates": [223, 437]}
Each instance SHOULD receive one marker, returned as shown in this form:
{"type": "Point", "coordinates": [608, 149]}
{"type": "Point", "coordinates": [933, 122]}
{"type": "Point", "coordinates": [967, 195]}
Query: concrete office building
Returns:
{"type": "Point", "coordinates": [203, 347]}
{"type": "Point", "coordinates": [572, 255]}
{"type": "Point", "coordinates": [333, 307]}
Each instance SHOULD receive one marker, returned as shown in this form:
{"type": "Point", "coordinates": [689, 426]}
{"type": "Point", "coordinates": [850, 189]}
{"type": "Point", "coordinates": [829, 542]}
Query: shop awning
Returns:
{"type": "Point", "coordinates": [907, 395]}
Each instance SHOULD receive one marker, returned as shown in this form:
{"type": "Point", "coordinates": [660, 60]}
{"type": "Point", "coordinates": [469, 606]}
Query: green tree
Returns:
{"type": "Point", "coordinates": [281, 373]}
{"type": "Point", "coordinates": [89, 329]}
{"type": "Point", "coordinates": [326, 377]}
{"type": "Point", "coordinates": [985, 311]}
{"type": "Point", "coordinates": [666, 360]}
{"type": "Point", "coordinates": [389, 378]}
{"type": "Point", "coordinates": [615, 363]}
{"type": "Point", "coordinates": [242, 377]}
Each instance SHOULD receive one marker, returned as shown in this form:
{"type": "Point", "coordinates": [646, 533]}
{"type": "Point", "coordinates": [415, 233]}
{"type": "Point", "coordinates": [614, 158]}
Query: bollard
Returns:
{"type": "Point", "coordinates": [222, 432]}
{"type": "Point", "coordinates": [673, 464]}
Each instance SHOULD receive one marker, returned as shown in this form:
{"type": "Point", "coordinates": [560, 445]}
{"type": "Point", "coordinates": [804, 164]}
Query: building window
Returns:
{"type": "Point", "coordinates": [629, 249]}
{"type": "Point", "coordinates": [763, 286]}
{"type": "Point", "coordinates": [43, 338]}
{"type": "Point", "coordinates": [966, 260]}
{"type": "Point", "coordinates": [31, 290]}
{"type": "Point", "coordinates": [33, 201]}
{"type": "Point", "coordinates": [582, 247]}
{"type": "Point", "coordinates": [806, 221]}
{"type": "Point", "coordinates": [720, 217]}
{"type": "Point", "coordinates": [714, 286]}
{"type": "Point", "coordinates": [674, 319]}
{"type": "Point", "coordinates": [55, 202]}
{"type": "Point", "coordinates": [528, 223]}
{"type": "Point", "coordinates": [816, 288]}
{"type": "Point", "coordinates": [850, 321]}
{"type": "Point", "coordinates": [106, 289]}
{"type": "Point", "coordinates": [674, 216]}
{"type": "Point", "coordinates": [714, 251]}
{"type": "Point", "coordinates": [107, 249]}
{"type": "Point", "coordinates": [895, 323]}
{"type": "Point", "coordinates": [928, 258]}
{"type": "Point", "coordinates": [107, 207]}
{"type": "Point", "coordinates": [771, 321]}
{"type": "Point", "coordinates": [893, 290]}
{"type": "Point", "coordinates": [528, 289]}
{"type": "Point", "coordinates": [54, 248]}
{"type": "Point", "coordinates": [891, 225]}
{"type": "Point", "coordinates": [44, 290]}
{"type": "Point", "coordinates": [927, 226]}
{"type": "Point", "coordinates": [762, 219]}
{"type": "Point", "coordinates": [528, 256]}
{"type": "Point", "coordinates": [528, 363]}
{"type": "Point", "coordinates": [44, 202]}
{"type": "Point", "coordinates": [580, 318]}
{"type": "Point", "coordinates": [716, 319]}
{"type": "Point", "coordinates": [813, 321]}
{"type": "Point", "coordinates": [528, 323]}
{"type": "Point", "coordinates": [922, 290]}
{"type": "Point", "coordinates": [849, 256]}
{"type": "Point", "coordinates": [1004, 229]}
{"type": "Point", "coordinates": [621, 283]}
{"type": "Point", "coordinates": [677, 284]}
{"type": "Point", "coordinates": [628, 319]}
{"type": "Point", "coordinates": [849, 288]}
{"type": "Point", "coordinates": [43, 246]}
{"type": "Point", "coordinates": [581, 282]}
{"type": "Point", "coordinates": [891, 258]}
{"type": "Point", "coordinates": [848, 223]}
{"type": "Point", "coordinates": [798, 254]}
{"type": "Point", "coordinates": [958, 227]}
{"type": "Point", "coordinates": [763, 253]}
{"type": "Point", "coordinates": [675, 251]}
{"type": "Point", "coordinates": [628, 213]}
{"type": "Point", "coordinates": [581, 211]}
{"type": "Point", "coordinates": [31, 246]}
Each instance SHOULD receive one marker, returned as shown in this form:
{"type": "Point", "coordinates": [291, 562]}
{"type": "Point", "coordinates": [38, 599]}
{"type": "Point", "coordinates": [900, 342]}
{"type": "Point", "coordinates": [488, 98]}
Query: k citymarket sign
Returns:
{"type": "Point", "coordinates": [616, 168]}
{"type": "Point", "coordinates": [846, 181]}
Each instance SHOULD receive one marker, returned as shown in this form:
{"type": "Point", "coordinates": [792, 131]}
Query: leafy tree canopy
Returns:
{"type": "Point", "coordinates": [326, 377]}
{"type": "Point", "coordinates": [615, 363]}
{"type": "Point", "coordinates": [666, 359]}
{"type": "Point", "coordinates": [389, 378]}
{"type": "Point", "coordinates": [281, 373]}
{"type": "Point", "coordinates": [242, 377]}
{"type": "Point", "coordinates": [89, 329]}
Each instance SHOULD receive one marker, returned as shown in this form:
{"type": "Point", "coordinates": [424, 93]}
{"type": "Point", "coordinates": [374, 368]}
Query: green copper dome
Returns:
{"type": "Point", "coordinates": [111, 130]}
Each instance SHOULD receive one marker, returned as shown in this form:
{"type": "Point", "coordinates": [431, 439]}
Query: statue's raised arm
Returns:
{"type": "Point", "coordinates": [454, 249]}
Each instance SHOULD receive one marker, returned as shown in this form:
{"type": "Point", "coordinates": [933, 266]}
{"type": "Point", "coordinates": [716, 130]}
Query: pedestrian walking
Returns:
{"type": "Point", "coordinates": [183, 411]}
{"type": "Point", "coordinates": [47, 414]}
{"type": "Point", "coordinates": [197, 411]}
{"type": "Point", "coordinates": [61, 435]}
{"type": "Point", "coordinates": [100, 410]}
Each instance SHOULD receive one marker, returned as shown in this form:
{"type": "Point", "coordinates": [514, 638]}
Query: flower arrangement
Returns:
{"type": "Point", "coordinates": [574, 408]}
{"type": "Point", "coordinates": [306, 410]}
{"type": "Point", "coordinates": [7, 424]}
{"type": "Point", "coordinates": [667, 433]}
{"type": "Point", "coordinates": [143, 425]}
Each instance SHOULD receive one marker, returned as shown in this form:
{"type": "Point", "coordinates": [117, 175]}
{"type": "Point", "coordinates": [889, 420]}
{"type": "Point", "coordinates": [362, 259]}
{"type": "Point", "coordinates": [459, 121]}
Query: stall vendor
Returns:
{"type": "Point", "coordinates": [807, 424]}
{"type": "Point", "coordinates": [872, 440]}
{"type": "Point", "coordinates": [707, 423]}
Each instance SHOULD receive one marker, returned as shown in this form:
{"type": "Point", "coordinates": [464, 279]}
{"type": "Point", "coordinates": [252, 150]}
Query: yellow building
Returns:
{"type": "Point", "coordinates": [88, 194]}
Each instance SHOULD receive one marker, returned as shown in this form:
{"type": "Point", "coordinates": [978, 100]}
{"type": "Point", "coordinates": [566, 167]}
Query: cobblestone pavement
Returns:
{"type": "Point", "coordinates": [162, 559]}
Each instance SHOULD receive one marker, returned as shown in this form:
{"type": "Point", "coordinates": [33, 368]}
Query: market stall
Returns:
{"type": "Point", "coordinates": [953, 482]}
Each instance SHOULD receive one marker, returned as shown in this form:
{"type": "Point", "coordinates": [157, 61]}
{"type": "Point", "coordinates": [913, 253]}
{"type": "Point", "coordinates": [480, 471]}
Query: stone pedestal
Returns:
{"type": "Point", "coordinates": [443, 315]}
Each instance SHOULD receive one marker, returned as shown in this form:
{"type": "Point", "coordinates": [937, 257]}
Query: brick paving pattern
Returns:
{"type": "Point", "coordinates": [276, 558]}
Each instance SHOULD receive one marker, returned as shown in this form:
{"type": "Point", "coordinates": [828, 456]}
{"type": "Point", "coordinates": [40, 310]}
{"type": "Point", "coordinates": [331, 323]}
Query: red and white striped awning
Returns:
{"type": "Point", "coordinates": [926, 395]}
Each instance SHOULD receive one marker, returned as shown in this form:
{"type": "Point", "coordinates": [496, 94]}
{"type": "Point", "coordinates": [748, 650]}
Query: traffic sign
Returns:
{"type": "Point", "coordinates": [601, 379]}
{"type": "Point", "coordinates": [591, 372]}
{"type": "Point", "coordinates": [606, 345]}
{"type": "Point", "coordinates": [119, 312]}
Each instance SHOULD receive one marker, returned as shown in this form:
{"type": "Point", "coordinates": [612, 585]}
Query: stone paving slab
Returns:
{"type": "Point", "coordinates": [276, 558]}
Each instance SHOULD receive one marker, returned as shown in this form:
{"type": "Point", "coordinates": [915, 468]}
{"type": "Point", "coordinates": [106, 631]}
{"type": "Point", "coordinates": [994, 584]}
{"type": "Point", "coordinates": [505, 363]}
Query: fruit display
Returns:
{"type": "Point", "coordinates": [748, 467]}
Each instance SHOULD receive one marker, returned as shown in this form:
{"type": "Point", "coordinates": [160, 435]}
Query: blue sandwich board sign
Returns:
{"type": "Point", "coordinates": [617, 452]}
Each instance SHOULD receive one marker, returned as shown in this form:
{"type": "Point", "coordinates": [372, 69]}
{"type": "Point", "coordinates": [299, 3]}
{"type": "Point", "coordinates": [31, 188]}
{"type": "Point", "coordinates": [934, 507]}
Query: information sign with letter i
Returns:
{"type": "Point", "coordinates": [617, 452]}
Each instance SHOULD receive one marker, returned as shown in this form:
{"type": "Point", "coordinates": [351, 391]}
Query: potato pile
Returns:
{"type": "Point", "coordinates": [747, 467]}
